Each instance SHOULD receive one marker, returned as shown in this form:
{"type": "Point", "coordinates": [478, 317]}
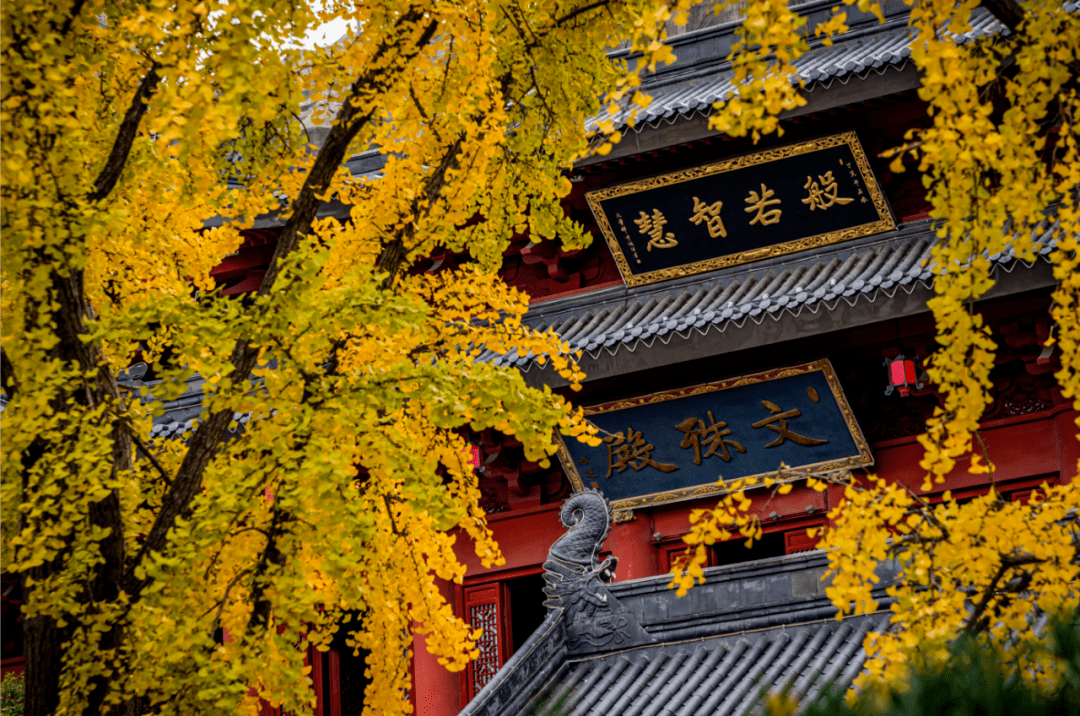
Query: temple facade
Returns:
{"type": "Point", "coordinates": [741, 306]}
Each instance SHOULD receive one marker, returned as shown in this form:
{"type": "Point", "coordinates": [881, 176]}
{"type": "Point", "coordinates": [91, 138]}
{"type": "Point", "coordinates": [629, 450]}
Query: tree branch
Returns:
{"type": "Point", "coordinates": [390, 514]}
{"type": "Point", "coordinates": [347, 124]}
{"type": "Point", "coordinates": [153, 460]}
{"type": "Point", "coordinates": [583, 9]}
{"type": "Point", "coordinates": [187, 482]}
{"type": "Point", "coordinates": [125, 137]}
{"type": "Point", "coordinates": [71, 18]}
{"type": "Point", "coordinates": [1011, 15]}
{"type": "Point", "coordinates": [394, 253]}
{"type": "Point", "coordinates": [1007, 563]}
{"type": "Point", "coordinates": [1008, 12]}
{"type": "Point", "coordinates": [271, 555]}
{"type": "Point", "coordinates": [8, 381]}
{"type": "Point", "coordinates": [225, 599]}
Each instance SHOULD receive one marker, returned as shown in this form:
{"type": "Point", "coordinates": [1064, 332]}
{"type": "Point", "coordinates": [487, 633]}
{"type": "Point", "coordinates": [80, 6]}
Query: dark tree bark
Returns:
{"type": "Point", "coordinates": [1011, 15]}
{"type": "Point", "coordinates": [1008, 12]}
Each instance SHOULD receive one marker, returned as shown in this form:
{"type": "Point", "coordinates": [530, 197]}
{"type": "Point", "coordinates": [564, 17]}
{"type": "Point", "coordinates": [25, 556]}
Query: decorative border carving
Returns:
{"type": "Point", "coordinates": [864, 459]}
{"type": "Point", "coordinates": [884, 223]}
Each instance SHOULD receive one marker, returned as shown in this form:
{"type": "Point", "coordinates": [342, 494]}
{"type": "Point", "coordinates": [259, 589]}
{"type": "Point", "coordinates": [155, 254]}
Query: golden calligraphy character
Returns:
{"type": "Point", "coordinates": [583, 460]}
{"type": "Point", "coordinates": [653, 227]}
{"type": "Point", "coordinates": [590, 473]}
{"type": "Point", "coordinates": [823, 195]}
{"type": "Point", "coordinates": [710, 214]}
{"type": "Point", "coordinates": [758, 203]}
{"type": "Point", "coordinates": [630, 449]}
{"type": "Point", "coordinates": [712, 436]}
{"type": "Point", "coordinates": [779, 415]}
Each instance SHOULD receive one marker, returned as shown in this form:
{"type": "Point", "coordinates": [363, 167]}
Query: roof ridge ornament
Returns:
{"type": "Point", "coordinates": [575, 578]}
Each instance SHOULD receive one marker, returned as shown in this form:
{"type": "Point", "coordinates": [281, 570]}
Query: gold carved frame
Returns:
{"type": "Point", "coordinates": [863, 459]}
{"type": "Point", "coordinates": [885, 220]}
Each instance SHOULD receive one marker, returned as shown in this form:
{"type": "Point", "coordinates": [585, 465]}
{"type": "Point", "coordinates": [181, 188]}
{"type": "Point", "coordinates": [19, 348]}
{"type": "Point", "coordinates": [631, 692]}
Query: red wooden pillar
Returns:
{"type": "Point", "coordinates": [1068, 445]}
{"type": "Point", "coordinates": [317, 659]}
{"type": "Point", "coordinates": [333, 699]}
{"type": "Point", "coordinates": [435, 691]}
{"type": "Point", "coordinates": [632, 542]}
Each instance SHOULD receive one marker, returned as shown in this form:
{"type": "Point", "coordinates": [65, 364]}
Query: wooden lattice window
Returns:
{"type": "Point", "coordinates": [487, 607]}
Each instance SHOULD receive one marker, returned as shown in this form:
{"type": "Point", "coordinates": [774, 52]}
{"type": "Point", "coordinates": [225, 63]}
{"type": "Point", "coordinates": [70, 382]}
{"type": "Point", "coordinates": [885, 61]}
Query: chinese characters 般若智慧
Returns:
{"type": "Point", "coordinates": [758, 203]}
{"type": "Point", "coordinates": [824, 194]}
{"type": "Point", "coordinates": [653, 227]}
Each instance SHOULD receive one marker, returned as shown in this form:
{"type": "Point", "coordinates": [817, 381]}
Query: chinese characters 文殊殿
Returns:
{"type": "Point", "coordinates": [630, 450]}
{"type": "Point", "coordinates": [781, 416]}
{"type": "Point", "coordinates": [696, 432]}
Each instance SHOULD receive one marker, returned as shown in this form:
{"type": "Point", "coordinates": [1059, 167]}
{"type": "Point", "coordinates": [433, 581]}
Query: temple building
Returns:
{"type": "Point", "coordinates": [741, 305]}
{"type": "Point", "coordinates": [632, 647]}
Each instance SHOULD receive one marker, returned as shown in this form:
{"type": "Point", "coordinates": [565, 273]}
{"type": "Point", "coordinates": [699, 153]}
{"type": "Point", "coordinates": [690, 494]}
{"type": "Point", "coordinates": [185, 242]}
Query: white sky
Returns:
{"type": "Point", "coordinates": [325, 34]}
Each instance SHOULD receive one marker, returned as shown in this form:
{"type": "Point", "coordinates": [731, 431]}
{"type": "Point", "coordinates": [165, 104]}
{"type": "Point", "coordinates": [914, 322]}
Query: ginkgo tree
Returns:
{"type": "Point", "coordinates": [999, 159]}
{"type": "Point", "coordinates": [127, 126]}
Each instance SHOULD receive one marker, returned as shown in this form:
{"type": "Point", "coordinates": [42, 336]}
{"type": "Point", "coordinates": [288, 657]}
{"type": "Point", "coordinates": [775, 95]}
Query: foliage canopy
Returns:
{"type": "Point", "coordinates": [12, 695]}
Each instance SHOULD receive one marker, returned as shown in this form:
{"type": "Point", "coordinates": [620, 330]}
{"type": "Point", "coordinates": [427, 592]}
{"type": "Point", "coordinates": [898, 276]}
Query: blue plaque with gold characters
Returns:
{"type": "Point", "coordinates": [744, 209]}
{"type": "Point", "coordinates": [676, 445]}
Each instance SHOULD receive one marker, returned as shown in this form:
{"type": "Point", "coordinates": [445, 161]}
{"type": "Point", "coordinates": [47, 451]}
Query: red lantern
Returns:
{"type": "Point", "coordinates": [902, 376]}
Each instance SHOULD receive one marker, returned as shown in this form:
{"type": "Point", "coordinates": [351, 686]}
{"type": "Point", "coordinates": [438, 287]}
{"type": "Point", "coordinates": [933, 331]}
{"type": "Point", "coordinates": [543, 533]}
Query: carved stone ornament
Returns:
{"type": "Point", "coordinates": [574, 580]}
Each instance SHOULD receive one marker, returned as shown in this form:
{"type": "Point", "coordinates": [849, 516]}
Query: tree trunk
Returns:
{"type": "Point", "coordinates": [43, 643]}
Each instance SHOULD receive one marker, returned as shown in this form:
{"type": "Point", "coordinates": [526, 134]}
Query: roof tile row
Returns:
{"type": "Point", "coordinates": [723, 676]}
{"type": "Point", "coordinates": [860, 53]}
{"type": "Point", "coordinates": [631, 315]}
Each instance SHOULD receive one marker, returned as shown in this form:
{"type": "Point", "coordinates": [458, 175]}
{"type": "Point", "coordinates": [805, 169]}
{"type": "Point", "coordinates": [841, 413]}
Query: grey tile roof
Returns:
{"type": "Point", "coordinates": [624, 319]}
{"type": "Point", "coordinates": [706, 77]}
{"type": "Point", "coordinates": [174, 424]}
{"type": "Point", "coordinates": [722, 676]}
{"type": "Point", "coordinates": [365, 165]}
{"type": "Point", "coordinates": [182, 414]}
{"type": "Point", "coordinates": [179, 416]}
